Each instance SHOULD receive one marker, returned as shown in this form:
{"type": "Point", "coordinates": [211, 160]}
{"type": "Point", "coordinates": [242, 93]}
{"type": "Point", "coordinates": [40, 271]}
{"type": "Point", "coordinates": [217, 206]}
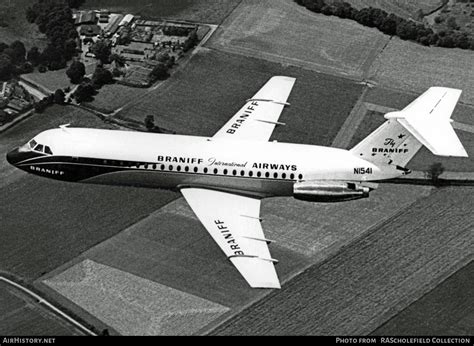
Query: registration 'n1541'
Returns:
{"type": "Point", "coordinates": [363, 170]}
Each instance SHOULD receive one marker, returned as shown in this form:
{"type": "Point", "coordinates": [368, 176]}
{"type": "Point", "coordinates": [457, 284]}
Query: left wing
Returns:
{"type": "Point", "coordinates": [259, 116]}
{"type": "Point", "coordinates": [233, 221]}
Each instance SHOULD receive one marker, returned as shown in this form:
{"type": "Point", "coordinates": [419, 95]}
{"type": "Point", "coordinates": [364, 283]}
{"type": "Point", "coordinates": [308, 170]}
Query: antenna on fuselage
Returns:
{"type": "Point", "coordinates": [64, 127]}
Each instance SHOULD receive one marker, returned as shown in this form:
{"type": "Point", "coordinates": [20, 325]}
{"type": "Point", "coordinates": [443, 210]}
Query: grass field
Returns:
{"type": "Point", "coordinates": [185, 104]}
{"type": "Point", "coordinates": [113, 96]}
{"type": "Point", "coordinates": [205, 11]}
{"type": "Point", "coordinates": [133, 305]}
{"type": "Point", "coordinates": [373, 278]}
{"type": "Point", "coordinates": [448, 308]}
{"type": "Point", "coordinates": [20, 315]}
{"type": "Point", "coordinates": [284, 32]}
{"type": "Point", "coordinates": [412, 67]}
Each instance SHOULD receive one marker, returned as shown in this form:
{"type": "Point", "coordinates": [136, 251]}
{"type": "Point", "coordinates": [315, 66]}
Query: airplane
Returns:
{"type": "Point", "coordinates": [224, 178]}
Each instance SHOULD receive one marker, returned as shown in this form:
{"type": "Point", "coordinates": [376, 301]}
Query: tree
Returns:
{"type": "Point", "coordinates": [118, 60]}
{"type": "Point", "coordinates": [101, 76]}
{"type": "Point", "coordinates": [3, 46]}
{"type": "Point", "coordinates": [435, 170]}
{"type": "Point", "coordinates": [84, 93]}
{"type": "Point", "coordinates": [6, 67]}
{"type": "Point", "coordinates": [34, 56]}
{"type": "Point", "coordinates": [389, 25]}
{"type": "Point", "coordinates": [191, 41]}
{"type": "Point", "coordinates": [76, 72]}
{"type": "Point", "coordinates": [451, 23]}
{"type": "Point", "coordinates": [102, 51]}
{"type": "Point", "coordinates": [59, 97]}
{"type": "Point", "coordinates": [75, 3]}
{"type": "Point", "coordinates": [159, 72]}
{"type": "Point", "coordinates": [19, 51]}
{"type": "Point", "coordinates": [150, 122]}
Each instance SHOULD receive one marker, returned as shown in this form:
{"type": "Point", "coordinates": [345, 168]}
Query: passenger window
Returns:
{"type": "Point", "coordinates": [39, 147]}
{"type": "Point", "coordinates": [267, 175]}
{"type": "Point", "coordinates": [242, 173]}
{"type": "Point", "coordinates": [186, 169]}
{"type": "Point", "coordinates": [48, 151]}
{"type": "Point", "coordinates": [300, 177]}
{"type": "Point", "coordinates": [250, 173]}
{"type": "Point", "coordinates": [225, 171]}
{"type": "Point", "coordinates": [283, 175]}
{"type": "Point", "coordinates": [234, 172]}
{"type": "Point", "coordinates": [154, 166]}
{"type": "Point", "coordinates": [259, 174]}
{"type": "Point", "coordinates": [178, 168]}
{"type": "Point", "coordinates": [292, 176]}
{"type": "Point", "coordinates": [162, 167]}
{"type": "Point", "coordinates": [171, 167]}
{"type": "Point", "coordinates": [195, 169]}
{"type": "Point", "coordinates": [205, 170]}
{"type": "Point", "coordinates": [275, 175]}
{"type": "Point", "coordinates": [215, 171]}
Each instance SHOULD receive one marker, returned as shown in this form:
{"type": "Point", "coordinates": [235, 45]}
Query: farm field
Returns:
{"type": "Point", "coordinates": [319, 103]}
{"type": "Point", "coordinates": [373, 278]}
{"type": "Point", "coordinates": [110, 295]}
{"type": "Point", "coordinates": [22, 316]}
{"type": "Point", "coordinates": [113, 96]}
{"type": "Point", "coordinates": [281, 31]}
{"type": "Point", "coordinates": [449, 307]}
{"type": "Point", "coordinates": [204, 11]}
{"type": "Point", "coordinates": [171, 248]}
{"type": "Point", "coordinates": [429, 66]}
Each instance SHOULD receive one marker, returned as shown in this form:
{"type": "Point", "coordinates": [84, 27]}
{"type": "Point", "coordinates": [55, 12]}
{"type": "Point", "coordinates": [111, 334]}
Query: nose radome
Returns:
{"type": "Point", "coordinates": [13, 157]}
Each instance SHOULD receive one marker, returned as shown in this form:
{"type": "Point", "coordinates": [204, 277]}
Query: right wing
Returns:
{"type": "Point", "coordinates": [257, 119]}
{"type": "Point", "coordinates": [233, 221]}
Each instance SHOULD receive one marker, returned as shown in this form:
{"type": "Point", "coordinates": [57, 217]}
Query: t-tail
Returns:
{"type": "Point", "coordinates": [426, 121]}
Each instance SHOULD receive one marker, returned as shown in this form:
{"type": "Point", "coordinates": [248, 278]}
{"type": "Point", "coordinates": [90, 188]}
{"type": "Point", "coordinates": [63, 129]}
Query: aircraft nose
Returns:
{"type": "Point", "coordinates": [14, 156]}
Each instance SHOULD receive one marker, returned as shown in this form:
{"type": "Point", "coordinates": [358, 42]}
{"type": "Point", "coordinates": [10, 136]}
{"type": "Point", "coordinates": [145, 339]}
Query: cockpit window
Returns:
{"type": "Point", "coordinates": [47, 150]}
{"type": "Point", "coordinates": [39, 148]}
{"type": "Point", "coordinates": [32, 143]}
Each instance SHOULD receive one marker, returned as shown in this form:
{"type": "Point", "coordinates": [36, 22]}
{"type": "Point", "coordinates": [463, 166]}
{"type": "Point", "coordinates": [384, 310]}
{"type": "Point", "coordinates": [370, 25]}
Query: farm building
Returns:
{"type": "Point", "coordinates": [113, 25]}
{"type": "Point", "coordinates": [86, 17]}
{"type": "Point", "coordinates": [127, 19]}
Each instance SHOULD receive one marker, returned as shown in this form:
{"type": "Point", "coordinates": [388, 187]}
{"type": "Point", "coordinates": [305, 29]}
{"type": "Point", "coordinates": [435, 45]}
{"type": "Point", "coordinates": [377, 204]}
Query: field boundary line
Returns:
{"type": "Point", "coordinates": [46, 303]}
{"type": "Point", "coordinates": [352, 123]}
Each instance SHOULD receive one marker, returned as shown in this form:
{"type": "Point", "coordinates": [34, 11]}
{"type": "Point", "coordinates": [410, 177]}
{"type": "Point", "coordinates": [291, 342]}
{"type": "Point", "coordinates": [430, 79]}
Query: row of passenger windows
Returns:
{"type": "Point", "coordinates": [206, 170]}
{"type": "Point", "coordinates": [40, 147]}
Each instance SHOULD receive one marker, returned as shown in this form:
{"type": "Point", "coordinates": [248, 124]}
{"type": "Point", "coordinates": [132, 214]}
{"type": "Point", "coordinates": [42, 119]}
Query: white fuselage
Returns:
{"type": "Point", "coordinates": [172, 161]}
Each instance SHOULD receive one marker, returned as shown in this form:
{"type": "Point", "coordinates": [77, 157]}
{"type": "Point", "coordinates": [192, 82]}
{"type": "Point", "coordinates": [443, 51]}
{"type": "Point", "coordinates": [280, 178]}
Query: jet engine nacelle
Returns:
{"type": "Point", "coordinates": [329, 191]}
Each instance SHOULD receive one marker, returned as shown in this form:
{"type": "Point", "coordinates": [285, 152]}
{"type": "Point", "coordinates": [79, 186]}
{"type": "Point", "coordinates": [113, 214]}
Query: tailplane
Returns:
{"type": "Point", "coordinates": [426, 121]}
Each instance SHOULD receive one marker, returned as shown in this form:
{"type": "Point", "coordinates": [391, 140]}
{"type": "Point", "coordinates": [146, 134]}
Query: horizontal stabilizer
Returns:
{"type": "Point", "coordinates": [428, 120]}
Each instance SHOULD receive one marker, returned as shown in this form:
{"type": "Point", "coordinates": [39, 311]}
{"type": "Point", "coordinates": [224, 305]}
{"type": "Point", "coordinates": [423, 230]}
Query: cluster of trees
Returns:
{"type": "Point", "coordinates": [191, 41]}
{"type": "Point", "coordinates": [161, 70]}
{"type": "Point", "coordinates": [15, 60]}
{"type": "Point", "coordinates": [54, 19]}
{"type": "Point", "coordinates": [176, 31]}
{"type": "Point", "coordinates": [391, 24]}
{"type": "Point", "coordinates": [59, 97]}
{"type": "Point", "coordinates": [87, 88]}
